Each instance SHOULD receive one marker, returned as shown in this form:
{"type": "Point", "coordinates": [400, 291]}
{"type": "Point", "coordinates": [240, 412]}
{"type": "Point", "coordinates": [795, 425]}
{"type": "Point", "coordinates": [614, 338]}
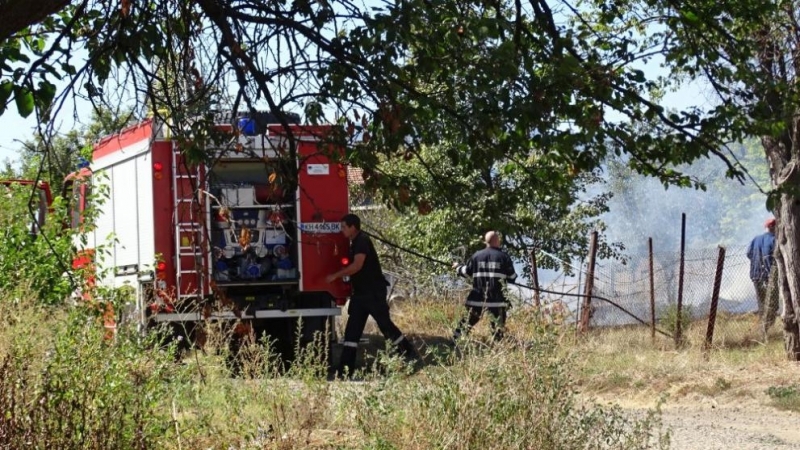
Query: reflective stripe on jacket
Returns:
{"type": "Point", "coordinates": [488, 268]}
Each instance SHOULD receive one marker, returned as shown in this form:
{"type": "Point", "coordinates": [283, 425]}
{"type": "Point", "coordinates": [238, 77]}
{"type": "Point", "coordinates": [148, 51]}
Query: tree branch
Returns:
{"type": "Point", "coordinates": [21, 14]}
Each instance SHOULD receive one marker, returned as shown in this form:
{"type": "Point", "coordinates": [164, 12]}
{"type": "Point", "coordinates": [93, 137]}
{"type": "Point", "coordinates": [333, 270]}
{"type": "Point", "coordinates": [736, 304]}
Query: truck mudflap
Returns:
{"type": "Point", "coordinates": [229, 315]}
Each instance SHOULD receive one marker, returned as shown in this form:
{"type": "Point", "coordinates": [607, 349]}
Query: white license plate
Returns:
{"type": "Point", "coordinates": [321, 227]}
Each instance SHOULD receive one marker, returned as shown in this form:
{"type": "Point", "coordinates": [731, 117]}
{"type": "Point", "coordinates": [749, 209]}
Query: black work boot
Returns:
{"type": "Point", "coordinates": [409, 352]}
{"type": "Point", "coordinates": [408, 349]}
{"type": "Point", "coordinates": [347, 363]}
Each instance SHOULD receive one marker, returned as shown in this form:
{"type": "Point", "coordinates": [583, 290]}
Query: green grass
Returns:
{"type": "Point", "coordinates": [533, 391]}
{"type": "Point", "coordinates": [785, 397]}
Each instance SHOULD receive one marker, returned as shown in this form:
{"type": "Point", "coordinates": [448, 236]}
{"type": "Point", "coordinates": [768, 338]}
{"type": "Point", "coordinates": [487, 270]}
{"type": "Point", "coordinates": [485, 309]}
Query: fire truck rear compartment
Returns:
{"type": "Point", "coordinates": [255, 244]}
{"type": "Point", "coordinates": [253, 236]}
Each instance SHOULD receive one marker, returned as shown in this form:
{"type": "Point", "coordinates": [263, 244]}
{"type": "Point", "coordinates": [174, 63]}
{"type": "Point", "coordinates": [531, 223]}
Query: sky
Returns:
{"type": "Point", "coordinates": [15, 129]}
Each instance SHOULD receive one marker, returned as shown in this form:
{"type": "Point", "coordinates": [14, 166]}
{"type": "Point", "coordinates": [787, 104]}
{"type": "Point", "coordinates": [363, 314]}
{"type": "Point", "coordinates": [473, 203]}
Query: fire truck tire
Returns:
{"type": "Point", "coordinates": [283, 336]}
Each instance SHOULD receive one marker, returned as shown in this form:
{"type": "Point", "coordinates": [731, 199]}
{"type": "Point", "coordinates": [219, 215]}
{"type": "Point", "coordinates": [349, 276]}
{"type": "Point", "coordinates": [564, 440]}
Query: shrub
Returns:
{"type": "Point", "coordinates": [42, 260]}
{"type": "Point", "coordinates": [62, 385]}
{"type": "Point", "coordinates": [785, 397]}
{"type": "Point", "coordinates": [669, 318]}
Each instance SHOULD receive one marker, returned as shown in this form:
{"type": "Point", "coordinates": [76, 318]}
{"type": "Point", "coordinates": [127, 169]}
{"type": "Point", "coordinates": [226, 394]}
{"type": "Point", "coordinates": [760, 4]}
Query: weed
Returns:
{"type": "Point", "coordinates": [785, 397]}
{"type": "Point", "coordinates": [669, 318]}
{"type": "Point", "coordinates": [734, 367]}
{"type": "Point", "coordinates": [63, 386]}
{"type": "Point", "coordinates": [512, 395]}
{"type": "Point", "coordinates": [722, 384]}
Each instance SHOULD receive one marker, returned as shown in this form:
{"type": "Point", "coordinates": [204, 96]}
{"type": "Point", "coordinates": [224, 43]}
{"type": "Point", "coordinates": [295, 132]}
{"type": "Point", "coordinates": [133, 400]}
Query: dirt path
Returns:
{"type": "Point", "coordinates": [704, 423]}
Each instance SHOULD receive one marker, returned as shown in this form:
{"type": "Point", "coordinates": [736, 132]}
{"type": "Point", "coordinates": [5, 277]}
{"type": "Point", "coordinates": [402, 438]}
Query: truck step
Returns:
{"type": "Point", "coordinates": [262, 314]}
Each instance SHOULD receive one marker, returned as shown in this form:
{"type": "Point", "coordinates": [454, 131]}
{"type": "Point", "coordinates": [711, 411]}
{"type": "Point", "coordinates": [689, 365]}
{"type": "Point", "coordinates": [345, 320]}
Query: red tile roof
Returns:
{"type": "Point", "coordinates": [354, 175]}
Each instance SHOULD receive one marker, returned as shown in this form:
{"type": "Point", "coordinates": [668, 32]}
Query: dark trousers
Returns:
{"type": "Point", "coordinates": [761, 294]}
{"type": "Point", "coordinates": [768, 301]}
{"type": "Point", "coordinates": [475, 312]}
{"type": "Point", "coordinates": [361, 307]}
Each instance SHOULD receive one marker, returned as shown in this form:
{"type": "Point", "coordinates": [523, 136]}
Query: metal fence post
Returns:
{"type": "Point", "coordinates": [678, 324]}
{"type": "Point", "coordinates": [712, 313]}
{"type": "Point", "coordinates": [587, 302]}
{"type": "Point", "coordinates": [535, 278]}
{"type": "Point", "coordinates": [578, 303]}
{"type": "Point", "coordinates": [652, 294]}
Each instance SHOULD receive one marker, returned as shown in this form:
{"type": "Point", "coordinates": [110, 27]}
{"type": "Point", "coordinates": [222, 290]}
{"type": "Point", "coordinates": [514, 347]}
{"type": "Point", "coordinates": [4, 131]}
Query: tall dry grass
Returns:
{"type": "Point", "coordinates": [63, 386]}
{"type": "Point", "coordinates": [627, 361]}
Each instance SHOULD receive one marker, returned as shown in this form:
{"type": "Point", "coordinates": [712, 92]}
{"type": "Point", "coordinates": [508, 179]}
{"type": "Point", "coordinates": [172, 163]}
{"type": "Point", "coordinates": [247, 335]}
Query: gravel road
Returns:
{"type": "Point", "coordinates": [744, 424]}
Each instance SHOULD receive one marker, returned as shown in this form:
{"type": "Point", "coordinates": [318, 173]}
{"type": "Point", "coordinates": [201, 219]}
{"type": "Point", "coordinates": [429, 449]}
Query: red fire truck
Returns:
{"type": "Point", "coordinates": [235, 240]}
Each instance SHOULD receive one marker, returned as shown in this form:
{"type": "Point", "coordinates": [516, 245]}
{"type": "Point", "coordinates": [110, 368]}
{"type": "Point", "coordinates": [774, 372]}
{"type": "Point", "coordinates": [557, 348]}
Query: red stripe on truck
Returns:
{"type": "Point", "coordinates": [127, 137]}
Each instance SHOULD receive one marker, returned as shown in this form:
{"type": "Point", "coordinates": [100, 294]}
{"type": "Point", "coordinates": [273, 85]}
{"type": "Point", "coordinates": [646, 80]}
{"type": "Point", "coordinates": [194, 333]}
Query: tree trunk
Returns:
{"type": "Point", "coordinates": [785, 175]}
{"type": "Point", "coordinates": [788, 260]}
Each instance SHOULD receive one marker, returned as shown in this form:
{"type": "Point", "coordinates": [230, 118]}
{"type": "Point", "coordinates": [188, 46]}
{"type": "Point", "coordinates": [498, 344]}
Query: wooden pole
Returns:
{"type": "Point", "coordinates": [678, 325]}
{"type": "Point", "coordinates": [712, 313]}
{"type": "Point", "coordinates": [652, 294]}
{"type": "Point", "coordinates": [587, 302]}
{"type": "Point", "coordinates": [535, 279]}
{"type": "Point", "coordinates": [578, 309]}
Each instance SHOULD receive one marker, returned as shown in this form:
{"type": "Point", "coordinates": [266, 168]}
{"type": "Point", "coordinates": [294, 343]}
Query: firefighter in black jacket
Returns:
{"type": "Point", "coordinates": [487, 267]}
{"type": "Point", "coordinates": [368, 297]}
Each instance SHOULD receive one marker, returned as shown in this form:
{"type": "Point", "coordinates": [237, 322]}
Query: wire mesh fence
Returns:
{"type": "Point", "coordinates": [646, 294]}
{"type": "Point", "coordinates": [638, 295]}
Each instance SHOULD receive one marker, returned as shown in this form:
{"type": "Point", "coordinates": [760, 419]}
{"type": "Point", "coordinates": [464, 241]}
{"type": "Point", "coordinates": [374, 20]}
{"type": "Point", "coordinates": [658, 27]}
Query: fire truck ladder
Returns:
{"type": "Point", "coordinates": [192, 273]}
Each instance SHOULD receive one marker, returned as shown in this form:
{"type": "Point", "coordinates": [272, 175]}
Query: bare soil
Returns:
{"type": "Point", "coordinates": [722, 422]}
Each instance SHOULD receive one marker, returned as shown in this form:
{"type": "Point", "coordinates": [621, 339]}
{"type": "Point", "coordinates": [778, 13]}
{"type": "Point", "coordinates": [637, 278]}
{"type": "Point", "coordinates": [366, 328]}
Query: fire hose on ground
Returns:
{"type": "Point", "coordinates": [533, 288]}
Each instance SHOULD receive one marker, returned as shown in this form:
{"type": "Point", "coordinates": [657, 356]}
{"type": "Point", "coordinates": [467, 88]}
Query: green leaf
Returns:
{"type": "Point", "coordinates": [773, 200]}
{"type": "Point", "coordinates": [690, 16]}
{"type": "Point", "coordinates": [69, 69]}
{"type": "Point", "coordinates": [24, 100]}
{"type": "Point", "coordinates": [6, 88]}
{"type": "Point", "coordinates": [46, 93]}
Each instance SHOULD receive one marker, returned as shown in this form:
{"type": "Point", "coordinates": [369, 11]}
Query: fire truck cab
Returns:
{"type": "Point", "coordinates": [234, 240]}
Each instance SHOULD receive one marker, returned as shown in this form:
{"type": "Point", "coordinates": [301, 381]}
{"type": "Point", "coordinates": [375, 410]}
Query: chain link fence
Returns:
{"type": "Point", "coordinates": [636, 295]}
{"type": "Point", "coordinates": [646, 294]}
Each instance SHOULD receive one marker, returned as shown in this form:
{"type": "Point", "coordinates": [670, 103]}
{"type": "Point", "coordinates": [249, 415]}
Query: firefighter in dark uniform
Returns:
{"type": "Point", "coordinates": [368, 297]}
{"type": "Point", "coordinates": [487, 267]}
